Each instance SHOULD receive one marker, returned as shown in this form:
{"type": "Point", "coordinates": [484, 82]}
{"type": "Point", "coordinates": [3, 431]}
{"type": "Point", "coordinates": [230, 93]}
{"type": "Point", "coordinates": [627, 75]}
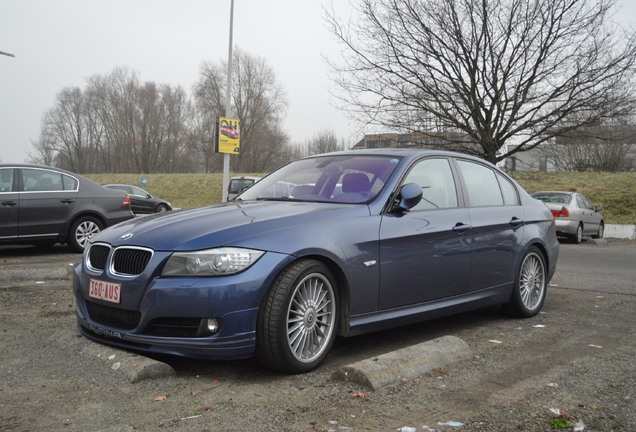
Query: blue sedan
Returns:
{"type": "Point", "coordinates": [356, 242]}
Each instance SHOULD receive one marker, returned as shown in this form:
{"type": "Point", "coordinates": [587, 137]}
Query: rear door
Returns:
{"type": "Point", "coordinates": [497, 221]}
{"type": "Point", "coordinates": [142, 200]}
{"type": "Point", "coordinates": [47, 199]}
{"type": "Point", "coordinates": [9, 206]}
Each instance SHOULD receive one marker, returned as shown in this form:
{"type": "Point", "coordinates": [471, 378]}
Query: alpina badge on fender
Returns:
{"type": "Point", "coordinates": [126, 236]}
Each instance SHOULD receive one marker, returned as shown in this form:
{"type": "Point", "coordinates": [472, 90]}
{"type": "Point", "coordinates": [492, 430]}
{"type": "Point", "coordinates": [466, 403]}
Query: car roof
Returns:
{"type": "Point", "coordinates": [38, 166]}
{"type": "Point", "coordinates": [407, 153]}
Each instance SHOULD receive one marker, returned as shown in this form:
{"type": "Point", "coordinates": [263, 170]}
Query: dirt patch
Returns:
{"type": "Point", "coordinates": [573, 361]}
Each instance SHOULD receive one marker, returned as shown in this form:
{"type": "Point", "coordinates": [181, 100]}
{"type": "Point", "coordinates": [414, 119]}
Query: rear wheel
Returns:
{"type": "Point", "coordinates": [81, 231]}
{"type": "Point", "coordinates": [296, 323]}
{"type": "Point", "coordinates": [530, 285]}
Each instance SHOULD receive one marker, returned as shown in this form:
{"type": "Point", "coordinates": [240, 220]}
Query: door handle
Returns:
{"type": "Point", "coordinates": [515, 222]}
{"type": "Point", "coordinates": [68, 201]}
{"type": "Point", "coordinates": [461, 228]}
{"type": "Point", "coordinates": [9, 203]}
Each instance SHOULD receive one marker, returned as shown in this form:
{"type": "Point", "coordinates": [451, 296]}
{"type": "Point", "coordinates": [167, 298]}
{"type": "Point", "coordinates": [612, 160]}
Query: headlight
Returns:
{"type": "Point", "coordinates": [211, 262]}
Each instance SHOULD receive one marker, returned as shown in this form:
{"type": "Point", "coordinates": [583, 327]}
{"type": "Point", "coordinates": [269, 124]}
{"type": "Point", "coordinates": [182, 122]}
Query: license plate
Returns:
{"type": "Point", "coordinates": [107, 291]}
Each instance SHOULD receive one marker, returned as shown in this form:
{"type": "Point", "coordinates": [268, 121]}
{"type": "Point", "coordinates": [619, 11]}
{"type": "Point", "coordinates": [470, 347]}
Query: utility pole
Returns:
{"type": "Point", "coordinates": [228, 107]}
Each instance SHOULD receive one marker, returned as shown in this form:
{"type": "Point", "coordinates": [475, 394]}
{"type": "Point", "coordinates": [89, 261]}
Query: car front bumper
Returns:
{"type": "Point", "coordinates": [232, 300]}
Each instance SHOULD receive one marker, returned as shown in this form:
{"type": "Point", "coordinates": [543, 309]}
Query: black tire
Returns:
{"type": "Point", "coordinates": [82, 230]}
{"type": "Point", "coordinates": [161, 208]}
{"type": "Point", "coordinates": [601, 231]}
{"type": "Point", "coordinates": [578, 237]}
{"type": "Point", "coordinates": [530, 286]}
{"type": "Point", "coordinates": [296, 325]}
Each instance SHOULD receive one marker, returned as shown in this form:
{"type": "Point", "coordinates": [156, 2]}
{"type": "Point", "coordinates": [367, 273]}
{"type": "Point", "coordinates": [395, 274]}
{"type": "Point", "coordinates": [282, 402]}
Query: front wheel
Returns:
{"type": "Point", "coordinates": [81, 231]}
{"type": "Point", "coordinates": [297, 320]}
{"type": "Point", "coordinates": [578, 236]}
{"type": "Point", "coordinates": [161, 208]}
{"type": "Point", "coordinates": [601, 231]}
{"type": "Point", "coordinates": [530, 285]}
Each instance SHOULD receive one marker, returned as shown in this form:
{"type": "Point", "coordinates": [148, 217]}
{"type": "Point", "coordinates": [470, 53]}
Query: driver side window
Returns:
{"type": "Point", "coordinates": [435, 178]}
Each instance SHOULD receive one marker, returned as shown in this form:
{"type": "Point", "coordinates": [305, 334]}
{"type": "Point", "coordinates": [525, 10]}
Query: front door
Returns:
{"type": "Point", "coordinates": [423, 253]}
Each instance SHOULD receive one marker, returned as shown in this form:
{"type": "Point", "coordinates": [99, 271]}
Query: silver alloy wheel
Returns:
{"type": "Point", "coordinates": [311, 317]}
{"type": "Point", "coordinates": [532, 281]}
{"type": "Point", "coordinates": [85, 231]}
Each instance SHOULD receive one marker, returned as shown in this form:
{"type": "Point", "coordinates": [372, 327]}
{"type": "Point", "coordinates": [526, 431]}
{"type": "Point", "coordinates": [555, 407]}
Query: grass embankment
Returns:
{"type": "Point", "coordinates": [615, 192]}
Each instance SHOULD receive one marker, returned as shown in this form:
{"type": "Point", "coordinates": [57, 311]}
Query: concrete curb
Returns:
{"type": "Point", "coordinates": [36, 273]}
{"type": "Point", "coordinates": [411, 362]}
{"type": "Point", "coordinates": [135, 367]}
{"type": "Point", "coordinates": [620, 231]}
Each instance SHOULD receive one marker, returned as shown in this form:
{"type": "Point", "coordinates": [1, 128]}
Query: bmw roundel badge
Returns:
{"type": "Point", "coordinates": [126, 236]}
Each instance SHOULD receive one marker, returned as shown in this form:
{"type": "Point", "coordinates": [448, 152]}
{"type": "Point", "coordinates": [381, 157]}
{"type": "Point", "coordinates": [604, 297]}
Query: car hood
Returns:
{"type": "Point", "coordinates": [229, 224]}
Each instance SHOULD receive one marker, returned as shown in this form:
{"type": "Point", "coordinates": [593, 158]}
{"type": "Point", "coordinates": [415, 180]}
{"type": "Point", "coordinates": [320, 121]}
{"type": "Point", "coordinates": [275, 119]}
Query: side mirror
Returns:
{"type": "Point", "coordinates": [598, 209]}
{"type": "Point", "coordinates": [410, 196]}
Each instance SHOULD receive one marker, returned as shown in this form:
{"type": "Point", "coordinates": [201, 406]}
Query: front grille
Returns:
{"type": "Point", "coordinates": [113, 317]}
{"type": "Point", "coordinates": [174, 327]}
{"type": "Point", "coordinates": [130, 261]}
{"type": "Point", "coordinates": [97, 256]}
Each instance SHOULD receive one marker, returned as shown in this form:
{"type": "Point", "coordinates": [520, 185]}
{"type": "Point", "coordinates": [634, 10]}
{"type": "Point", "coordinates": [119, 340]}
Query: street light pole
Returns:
{"type": "Point", "coordinates": [228, 107]}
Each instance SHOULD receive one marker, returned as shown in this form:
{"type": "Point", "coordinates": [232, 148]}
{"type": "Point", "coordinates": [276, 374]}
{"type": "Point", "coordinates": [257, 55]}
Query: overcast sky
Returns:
{"type": "Point", "coordinates": [61, 43]}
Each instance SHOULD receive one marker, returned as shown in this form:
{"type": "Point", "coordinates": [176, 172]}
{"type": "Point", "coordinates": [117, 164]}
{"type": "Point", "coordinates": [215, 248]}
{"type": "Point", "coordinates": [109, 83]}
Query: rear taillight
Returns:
{"type": "Point", "coordinates": [564, 212]}
{"type": "Point", "coordinates": [126, 200]}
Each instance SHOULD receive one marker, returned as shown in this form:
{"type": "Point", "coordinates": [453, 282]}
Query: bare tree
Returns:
{"type": "Point", "coordinates": [257, 100]}
{"type": "Point", "coordinates": [593, 148]}
{"type": "Point", "coordinates": [485, 73]}
{"type": "Point", "coordinates": [71, 133]}
{"type": "Point", "coordinates": [324, 141]}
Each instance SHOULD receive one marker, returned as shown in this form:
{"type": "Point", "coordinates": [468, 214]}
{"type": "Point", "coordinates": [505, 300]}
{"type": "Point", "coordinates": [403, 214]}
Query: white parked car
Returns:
{"type": "Point", "coordinates": [573, 214]}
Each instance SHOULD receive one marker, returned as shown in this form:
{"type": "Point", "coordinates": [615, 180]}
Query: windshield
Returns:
{"type": "Point", "coordinates": [336, 178]}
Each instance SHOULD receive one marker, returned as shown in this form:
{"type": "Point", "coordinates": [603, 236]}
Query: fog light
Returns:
{"type": "Point", "coordinates": [208, 327]}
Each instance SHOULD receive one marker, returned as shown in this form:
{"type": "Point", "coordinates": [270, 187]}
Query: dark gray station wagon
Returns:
{"type": "Point", "coordinates": [41, 205]}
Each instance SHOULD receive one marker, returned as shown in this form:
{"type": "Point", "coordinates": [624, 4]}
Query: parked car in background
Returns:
{"type": "Point", "coordinates": [41, 205]}
{"type": "Point", "coordinates": [240, 184]}
{"type": "Point", "coordinates": [369, 239]}
{"type": "Point", "coordinates": [574, 216]}
{"type": "Point", "coordinates": [141, 201]}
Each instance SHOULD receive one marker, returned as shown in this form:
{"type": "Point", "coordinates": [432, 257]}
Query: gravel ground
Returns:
{"type": "Point", "coordinates": [573, 364]}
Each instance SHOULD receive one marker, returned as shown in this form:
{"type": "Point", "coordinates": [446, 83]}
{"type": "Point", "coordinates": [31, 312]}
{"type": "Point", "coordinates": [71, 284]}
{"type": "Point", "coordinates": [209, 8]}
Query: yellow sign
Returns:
{"type": "Point", "coordinates": [228, 135]}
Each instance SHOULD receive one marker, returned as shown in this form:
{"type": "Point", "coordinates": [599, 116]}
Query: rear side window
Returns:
{"type": "Point", "coordinates": [37, 180]}
{"type": "Point", "coordinates": [485, 187]}
{"type": "Point", "coordinates": [508, 191]}
{"type": "Point", "coordinates": [69, 182]}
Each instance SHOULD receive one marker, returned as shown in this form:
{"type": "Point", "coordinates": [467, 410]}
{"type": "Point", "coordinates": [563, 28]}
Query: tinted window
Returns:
{"type": "Point", "coordinates": [69, 182]}
{"type": "Point", "coordinates": [438, 186]}
{"type": "Point", "coordinates": [481, 183]}
{"type": "Point", "coordinates": [341, 179]}
{"type": "Point", "coordinates": [36, 180]}
{"type": "Point", "coordinates": [508, 191]}
{"type": "Point", "coordinates": [138, 191]}
{"type": "Point", "coordinates": [6, 179]}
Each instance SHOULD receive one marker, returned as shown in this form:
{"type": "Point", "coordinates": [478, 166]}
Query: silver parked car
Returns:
{"type": "Point", "coordinates": [573, 214]}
